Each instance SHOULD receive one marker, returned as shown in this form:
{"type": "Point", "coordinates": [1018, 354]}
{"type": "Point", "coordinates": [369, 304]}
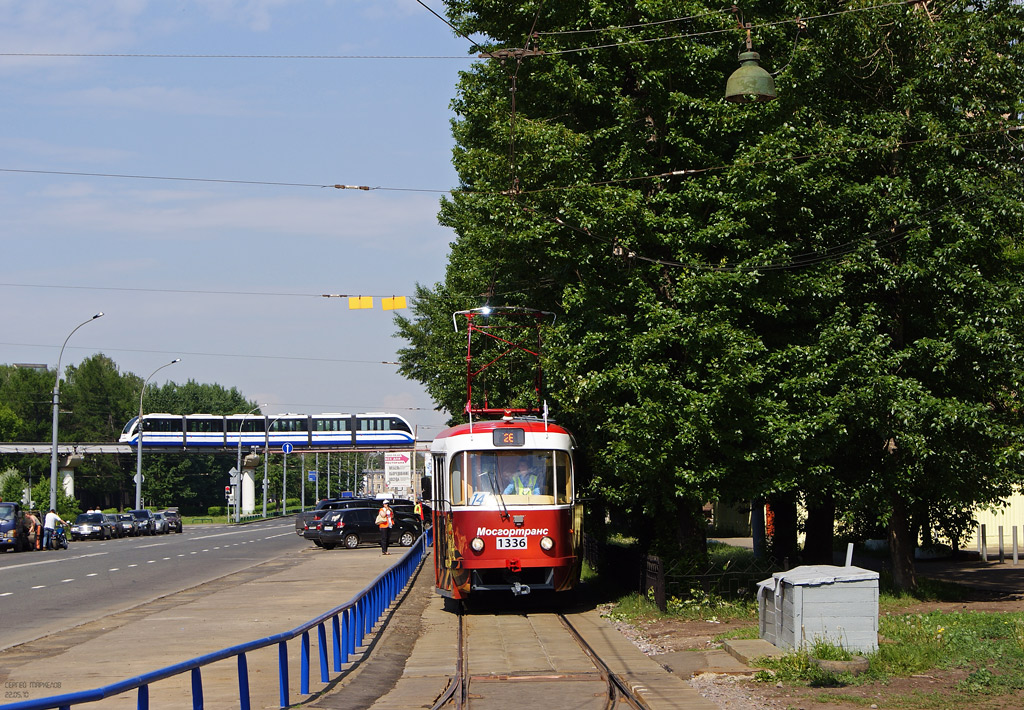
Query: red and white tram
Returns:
{"type": "Point", "coordinates": [494, 533]}
{"type": "Point", "coordinates": [506, 516]}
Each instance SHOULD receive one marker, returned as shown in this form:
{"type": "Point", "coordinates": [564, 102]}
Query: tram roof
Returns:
{"type": "Point", "coordinates": [529, 425]}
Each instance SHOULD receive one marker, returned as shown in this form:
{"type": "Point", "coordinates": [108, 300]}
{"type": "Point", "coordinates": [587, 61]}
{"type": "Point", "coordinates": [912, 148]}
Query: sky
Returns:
{"type": "Point", "coordinates": [217, 266]}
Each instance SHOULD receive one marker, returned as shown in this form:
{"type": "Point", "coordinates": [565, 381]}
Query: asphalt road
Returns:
{"type": "Point", "coordinates": [44, 592]}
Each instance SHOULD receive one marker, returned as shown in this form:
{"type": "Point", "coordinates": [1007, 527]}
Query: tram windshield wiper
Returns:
{"type": "Point", "coordinates": [499, 496]}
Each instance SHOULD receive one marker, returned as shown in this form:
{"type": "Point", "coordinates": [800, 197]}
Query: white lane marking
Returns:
{"type": "Point", "coordinates": [133, 565]}
{"type": "Point", "coordinates": [149, 562]}
{"type": "Point", "coordinates": [65, 581]}
{"type": "Point", "coordinates": [39, 586]}
{"type": "Point", "coordinates": [167, 558]}
{"type": "Point", "coordinates": [53, 560]}
{"type": "Point", "coordinates": [6, 594]}
{"type": "Point", "coordinates": [241, 532]}
{"type": "Point", "coordinates": [114, 569]}
{"type": "Point", "coordinates": [92, 574]}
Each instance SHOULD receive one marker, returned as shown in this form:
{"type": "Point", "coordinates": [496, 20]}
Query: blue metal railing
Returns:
{"type": "Point", "coordinates": [350, 624]}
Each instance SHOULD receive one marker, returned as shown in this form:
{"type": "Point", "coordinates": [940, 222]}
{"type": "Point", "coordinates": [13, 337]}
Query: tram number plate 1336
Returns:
{"type": "Point", "coordinates": [512, 543]}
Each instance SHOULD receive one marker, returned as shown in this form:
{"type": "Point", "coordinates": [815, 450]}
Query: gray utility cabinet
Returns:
{"type": "Point", "coordinates": [838, 605]}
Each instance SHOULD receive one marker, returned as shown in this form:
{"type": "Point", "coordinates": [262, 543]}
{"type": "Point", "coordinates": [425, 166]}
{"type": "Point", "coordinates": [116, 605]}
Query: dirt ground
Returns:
{"type": "Point", "coordinates": [934, 690]}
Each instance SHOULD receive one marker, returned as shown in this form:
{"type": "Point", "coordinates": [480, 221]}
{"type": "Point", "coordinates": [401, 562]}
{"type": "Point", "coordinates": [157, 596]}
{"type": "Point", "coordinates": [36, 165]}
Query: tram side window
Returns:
{"type": "Point", "coordinates": [439, 487]}
{"type": "Point", "coordinates": [563, 477]}
{"type": "Point", "coordinates": [205, 425]}
{"type": "Point", "coordinates": [164, 425]}
{"type": "Point", "coordinates": [246, 425]}
{"type": "Point", "coordinates": [330, 424]}
{"type": "Point", "coordinates": [288, 425]}
{"type": "Point", "coordinates": [456, 488]}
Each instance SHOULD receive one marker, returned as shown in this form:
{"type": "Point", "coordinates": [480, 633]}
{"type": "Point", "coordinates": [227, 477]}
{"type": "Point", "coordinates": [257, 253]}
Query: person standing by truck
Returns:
{"type": "Point", "coordinates": [49, 525]}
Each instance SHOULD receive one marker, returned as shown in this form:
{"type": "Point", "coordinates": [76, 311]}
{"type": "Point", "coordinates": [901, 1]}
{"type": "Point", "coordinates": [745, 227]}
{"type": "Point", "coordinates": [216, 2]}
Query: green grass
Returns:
{"type": "Point", "coordinates": [989, 647]}
{"type": "Point", "coordinates": [699, 606]}
{"type": "Point", "coordinates": [204, 519]}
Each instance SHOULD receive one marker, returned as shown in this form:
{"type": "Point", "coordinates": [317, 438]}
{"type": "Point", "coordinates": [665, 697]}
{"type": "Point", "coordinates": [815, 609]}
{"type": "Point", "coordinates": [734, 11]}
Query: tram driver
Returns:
{"type": "Point", "coordinates": [524, 481]}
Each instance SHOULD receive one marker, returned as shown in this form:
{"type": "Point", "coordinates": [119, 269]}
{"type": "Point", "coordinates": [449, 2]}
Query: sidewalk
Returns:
{"type": "Point", "coordinates": [270, 598]}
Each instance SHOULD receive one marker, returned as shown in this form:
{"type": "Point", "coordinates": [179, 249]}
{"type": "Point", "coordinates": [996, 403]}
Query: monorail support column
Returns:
{"type": "Point", "coordinates": [248, 484]}
{"type": "Point", "coordinates": [66, 467]}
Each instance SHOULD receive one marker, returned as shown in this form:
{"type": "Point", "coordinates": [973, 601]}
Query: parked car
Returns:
{"type": "Point", "coordinates": [144, 518]}
{"type": "Point", "coordinates": [14, 528]}
{"type": "Point", "coordinates": [129, 526]}
{"type": "Point", "coordinates": [115, 524]}
{"type": "Point", "coordinates": [353, 526]}
{"type": "Point", "coordinates": [173, 519]}
{"type": "Point", "coordinates": [91, 525]}
{"type": "Point", "coordinates": [160, 526]}
{"type": "Point", "coordinates": [308, 519]}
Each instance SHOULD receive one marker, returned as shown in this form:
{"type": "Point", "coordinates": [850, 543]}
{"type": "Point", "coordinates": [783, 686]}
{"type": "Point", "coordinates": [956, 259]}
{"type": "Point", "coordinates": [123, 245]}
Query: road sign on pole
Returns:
{"type": "Point", "coordinates": [287, 448]}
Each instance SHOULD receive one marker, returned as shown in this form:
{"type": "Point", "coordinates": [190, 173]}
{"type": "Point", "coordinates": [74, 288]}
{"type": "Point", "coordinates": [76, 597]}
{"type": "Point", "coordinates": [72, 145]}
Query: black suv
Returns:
{"type": "Point", "coordinates": [147, 526]}
{"type": "Point", "coordinates": [173, 519]}
{"type": "Point", "coordinates": [352, 526]}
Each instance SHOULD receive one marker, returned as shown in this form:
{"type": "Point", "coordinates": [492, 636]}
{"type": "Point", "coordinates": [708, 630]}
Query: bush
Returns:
{"type": "Point", "coordinates": [217, 510]}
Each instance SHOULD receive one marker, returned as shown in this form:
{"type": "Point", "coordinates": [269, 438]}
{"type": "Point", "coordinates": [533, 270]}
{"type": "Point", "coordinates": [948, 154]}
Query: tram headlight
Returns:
{"type": "Point", "coordinates": [547, 544]}
{"type": "Point", "coordinates": [477, 544]}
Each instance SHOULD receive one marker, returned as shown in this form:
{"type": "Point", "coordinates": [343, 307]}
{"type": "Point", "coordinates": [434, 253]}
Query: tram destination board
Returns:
{"type": "Point", "coordinates": [508, 436]}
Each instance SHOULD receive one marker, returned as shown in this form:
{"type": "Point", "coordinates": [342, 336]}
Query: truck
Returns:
{"type": "Point", "coordinates": [14, 528]}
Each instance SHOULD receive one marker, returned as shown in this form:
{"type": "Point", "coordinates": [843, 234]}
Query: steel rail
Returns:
{"type": "Point", "coordinates": [618, 689]}
{"type": "Point", "coordinates": [457, 689]}
{"type": "Point", "coordinates": [456, 694]}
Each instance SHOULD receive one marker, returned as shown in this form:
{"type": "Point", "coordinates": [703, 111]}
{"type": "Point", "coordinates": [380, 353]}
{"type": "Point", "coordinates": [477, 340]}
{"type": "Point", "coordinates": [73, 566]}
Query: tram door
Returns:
{"type": "Point", "coordinates": [442, 521]}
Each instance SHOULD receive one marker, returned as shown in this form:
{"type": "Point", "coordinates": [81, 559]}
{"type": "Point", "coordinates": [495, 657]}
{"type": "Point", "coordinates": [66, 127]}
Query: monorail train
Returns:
{"type": "Point", "coordinates": [368, 430]}
{"type": "Point", "coordinates": [506, 517]}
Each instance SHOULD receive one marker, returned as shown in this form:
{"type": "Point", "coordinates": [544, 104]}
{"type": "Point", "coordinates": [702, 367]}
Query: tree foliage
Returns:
{"type": "Point", "coordinates": [96, 401]}
{"type": "Point", "coordinates": [814, 296]}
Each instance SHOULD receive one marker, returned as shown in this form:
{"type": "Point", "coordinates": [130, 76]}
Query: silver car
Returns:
{"type": "Point", "coordinates": [160, 524]}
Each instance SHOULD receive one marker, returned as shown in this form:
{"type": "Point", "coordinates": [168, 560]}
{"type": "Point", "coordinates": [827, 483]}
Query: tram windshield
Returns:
{"type": "Point", "coordinates": [521, 477]}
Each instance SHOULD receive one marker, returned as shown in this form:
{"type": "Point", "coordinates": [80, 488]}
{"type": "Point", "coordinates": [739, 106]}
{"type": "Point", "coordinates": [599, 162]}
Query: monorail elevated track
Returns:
{"type": "Point", "coordinates": [88, 448]}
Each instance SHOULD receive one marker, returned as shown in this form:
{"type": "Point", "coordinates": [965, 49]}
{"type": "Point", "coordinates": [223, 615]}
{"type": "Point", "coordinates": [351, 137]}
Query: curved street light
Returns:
{"type": "Point", "coordinates": [138, 472]}
{"type": "Point", "coordinates": [238, 498]}
{"type": "Point", "coordinates": [56, 409]}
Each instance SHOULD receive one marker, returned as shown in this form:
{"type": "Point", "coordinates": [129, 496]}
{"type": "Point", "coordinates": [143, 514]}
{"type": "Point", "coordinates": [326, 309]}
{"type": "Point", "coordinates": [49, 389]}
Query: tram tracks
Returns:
{"type": "Point", "coordinates": [539, 658]}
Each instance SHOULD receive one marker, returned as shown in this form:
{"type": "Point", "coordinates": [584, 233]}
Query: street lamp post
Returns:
{"type": "Point", "coordinates": [138, 467]}
{"type": "Point", "coordinates": [56, 410]}
{"type": "Point", "coordinates": [266, 458]}
{"type": "Point", "coordinates": [238, 496]}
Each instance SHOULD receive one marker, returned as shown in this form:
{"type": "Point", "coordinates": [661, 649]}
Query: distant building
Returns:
{"type": "Point", "coordinates": [38, 367]}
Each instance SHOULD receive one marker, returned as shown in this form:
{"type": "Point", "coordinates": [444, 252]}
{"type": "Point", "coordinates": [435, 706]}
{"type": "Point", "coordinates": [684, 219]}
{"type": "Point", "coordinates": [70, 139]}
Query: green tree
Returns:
{"type": "Point", "coordinates": [194, 398]}
{"type": "Point", "coordinates": [814, 296]}
{"type": "Point", "coordinates": [10, 424]}
{"type": "Point", "coordinates": [12, 485]}
{"type": "Point", "coordinates": [98, 400]}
